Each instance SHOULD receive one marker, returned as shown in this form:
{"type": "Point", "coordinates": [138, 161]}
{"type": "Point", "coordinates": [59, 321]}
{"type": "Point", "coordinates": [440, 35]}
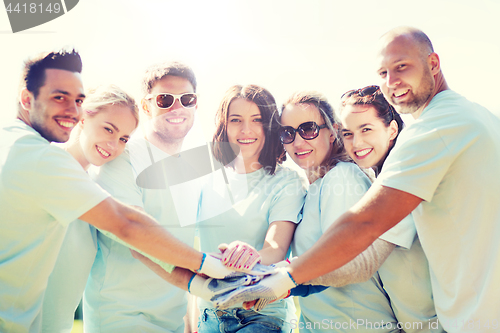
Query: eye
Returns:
{"type": "Point", "coordinates": [259, 120]}
{"type": "Point", "coordinates": [346, 134]}
{"type": "Point", "coordinates": [59, 98]}
{"type": "Point", "coordinates": [124, 140]}
{"type": "Point", "coordinates": [402, 66]}
{"type": "Point", "coordinates": [366, 129]}
{"type": "Point", "coordinates": [382, 74]}
{"type": "Point", "coordinates": [109, 130]}
{"type": "Point", "coordinates": [234, 120]}
{"type": "Point", "coordinates": [79, 102]}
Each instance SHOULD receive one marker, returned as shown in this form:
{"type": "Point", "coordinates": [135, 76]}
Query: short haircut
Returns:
{"type": "Point", "coordinates": [273, 152]}
{"type": "Point", "coordinates": [157, 72]}
{"type": "Point", "coordinates": [418, 36]}
{"type": "Point", "coordinates": [33, 76]}
{"type": "Point", "coordinates": [108, 95]}
{"type": "Point", "coordinates": [337, 151]}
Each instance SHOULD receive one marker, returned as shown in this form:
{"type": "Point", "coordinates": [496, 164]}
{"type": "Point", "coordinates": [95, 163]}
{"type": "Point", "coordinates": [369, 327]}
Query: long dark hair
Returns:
{"type": "Point", "coordinates": [273, 152]}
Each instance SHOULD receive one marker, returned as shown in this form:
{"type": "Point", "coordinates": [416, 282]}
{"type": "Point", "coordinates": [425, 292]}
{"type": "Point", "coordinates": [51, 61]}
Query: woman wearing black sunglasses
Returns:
{"type": "Point", "coordinates": [309, 134]}
{"type": "Point", "coordinates": [260, 202]}
{"type": "Point", "coordinates": [370, 127]}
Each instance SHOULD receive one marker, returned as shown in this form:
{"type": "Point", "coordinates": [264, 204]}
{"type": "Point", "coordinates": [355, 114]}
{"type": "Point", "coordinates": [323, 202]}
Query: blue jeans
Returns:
{"type": "Point", "coordinates": [241, 321]}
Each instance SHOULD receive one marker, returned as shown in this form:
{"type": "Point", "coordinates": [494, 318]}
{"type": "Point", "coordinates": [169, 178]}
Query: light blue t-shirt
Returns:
{"type": "Point", "coordinates": [360, 307]}
{"type": "Point", "coordinates": [405, 277]}
{"type": "Point", "coordinates": [243, 208]}
{"type": "Point", "coordinates": [69, 277]}
{"type": "Point", "coordinates": [122, 294]}
{"type": "Point", "coordinates": [449, 157]}
{"type": "Point", "coordinates": [42, 190]}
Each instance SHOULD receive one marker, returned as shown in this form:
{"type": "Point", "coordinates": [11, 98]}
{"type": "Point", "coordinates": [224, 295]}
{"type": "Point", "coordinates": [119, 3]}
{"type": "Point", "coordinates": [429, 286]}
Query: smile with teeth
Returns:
{"type": "Point", "coordinates": [401, 93]}
{"type": "Point", "coordinates": [102, 151]}
{"type": "Point", "coordinates": [176, 120]}
{"type": "Point", "coordinates": [66, 124]}
{"type": "Point", "coordinates": [245, 141]}
{"type": "Point", "coordinates": [361, 153]}
{"type": "Point", "coordinates": [303, 152]}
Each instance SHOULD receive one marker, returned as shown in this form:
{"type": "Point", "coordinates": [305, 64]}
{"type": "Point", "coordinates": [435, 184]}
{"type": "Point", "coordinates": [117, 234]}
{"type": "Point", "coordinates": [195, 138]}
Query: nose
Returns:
{"type": "Point", "coordinates": [74, 110]}
{"type": "Point", "coordinates": [112, 144]}
{"type": "Point", "coordinates": [392, 79]}
{"type": "Point", "coordinates": [245, 127]}
{"type": "Point", "coordinates": [356, 141]}
{"type": "Point", "coordinates": [298, 140]}
{"type": "Point", "coordinates": [176, 106]}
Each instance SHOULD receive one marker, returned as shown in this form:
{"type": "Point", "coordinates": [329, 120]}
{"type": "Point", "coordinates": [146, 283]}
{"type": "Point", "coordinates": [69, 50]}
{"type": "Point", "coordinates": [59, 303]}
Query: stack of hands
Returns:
{"type": "Point", "coordinates": [236, 276]}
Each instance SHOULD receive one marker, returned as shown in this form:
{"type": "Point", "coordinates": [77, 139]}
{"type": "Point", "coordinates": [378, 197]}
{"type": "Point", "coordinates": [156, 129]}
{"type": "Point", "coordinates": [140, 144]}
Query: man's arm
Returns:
{"type": "Point", "coordinates": [142, 231]}
{"type": "Point", "coordinates": [380, 209]}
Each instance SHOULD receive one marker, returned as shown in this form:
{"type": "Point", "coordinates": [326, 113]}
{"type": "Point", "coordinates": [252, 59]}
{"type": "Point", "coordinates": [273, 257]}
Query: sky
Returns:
{"type": "Point", "coordinates": [282, 45]}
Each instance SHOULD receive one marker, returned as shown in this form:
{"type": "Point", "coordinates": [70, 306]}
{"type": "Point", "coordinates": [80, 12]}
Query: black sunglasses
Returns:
{"type": "Point", "coordinates": [166, 100]}
{"type": "Point", "coordinates": [308, 131]}
{"type": "Point", "coordinates": [366, 91]}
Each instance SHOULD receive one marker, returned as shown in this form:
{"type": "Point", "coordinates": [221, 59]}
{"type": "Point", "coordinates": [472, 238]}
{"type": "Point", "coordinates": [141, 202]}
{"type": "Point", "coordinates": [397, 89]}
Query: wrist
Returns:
{"type": "Point", "coordinates": [203, 257]}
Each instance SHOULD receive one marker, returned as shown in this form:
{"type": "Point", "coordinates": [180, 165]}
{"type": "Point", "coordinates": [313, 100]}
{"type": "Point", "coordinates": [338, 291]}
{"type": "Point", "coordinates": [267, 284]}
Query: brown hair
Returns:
{"type": "Point", "coordinates": [273, 152]}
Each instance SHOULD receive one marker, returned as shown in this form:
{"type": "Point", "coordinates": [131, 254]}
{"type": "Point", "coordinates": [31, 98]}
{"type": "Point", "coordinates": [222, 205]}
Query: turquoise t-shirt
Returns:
{"type": "Point", "coordinates": [42, 190]}
{"type": "Point", "coordinates": [405, 277]}
{"type": "Point", "coordinates": [69, 277]}
{"type": "Point", "coordinates": [243, 208]}
{"type": "Point", "coordinates": [360, 307]}
{"type": "Point", "coordinates": [122, 294]}
{"type": "Point", "coordinates": [449, 158]}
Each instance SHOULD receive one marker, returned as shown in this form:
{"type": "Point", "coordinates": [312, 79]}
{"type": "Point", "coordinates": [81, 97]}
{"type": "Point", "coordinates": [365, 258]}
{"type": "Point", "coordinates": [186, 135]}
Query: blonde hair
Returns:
{"type": "Point", "coordinates": [106, 95]}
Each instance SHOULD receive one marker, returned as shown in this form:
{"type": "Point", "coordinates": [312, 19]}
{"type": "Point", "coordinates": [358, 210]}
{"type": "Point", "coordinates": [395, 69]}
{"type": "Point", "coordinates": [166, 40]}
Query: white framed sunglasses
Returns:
{"type": "Point", "coordinates": [166, 100]}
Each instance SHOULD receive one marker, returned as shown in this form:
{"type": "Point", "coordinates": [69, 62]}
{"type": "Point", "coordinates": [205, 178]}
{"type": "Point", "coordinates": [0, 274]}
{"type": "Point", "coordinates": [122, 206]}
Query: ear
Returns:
{"type": "Point", "coordinates": [81, 122]}
{"type": "Point", "coordinates": [27, 99]}
{"type": "Point", "coordinates": [393, 130]}
{"type": "Point", "coordinates": [145, 107]}
{"type": "Point", "coordinates": [333, 134]}
{"type": "Point", "coordinates": [434, 63]}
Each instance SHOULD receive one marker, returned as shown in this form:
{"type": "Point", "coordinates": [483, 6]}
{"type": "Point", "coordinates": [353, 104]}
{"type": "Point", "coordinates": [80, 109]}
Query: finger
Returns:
{"type": "Point", "coordinates": [222, 247]}
{"type": "Point", "coordinates": [136, 254]}
{"type": "Point", "coordinates": [249, 305]}
{"type": "Point", "coordinates": [251, 261]}
{"type": "Point", "coordinates": [227, 256]}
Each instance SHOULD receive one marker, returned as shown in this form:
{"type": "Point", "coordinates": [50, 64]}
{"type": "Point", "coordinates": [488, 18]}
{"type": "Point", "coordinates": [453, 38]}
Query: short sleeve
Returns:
{"type": "Point", "coordinates": [342, 187]}
{"type": "Point", "coordinates": [402, 234]}
{"type": "Point", "coordinates": [117, 177]}
{"type": "Point", "coordinates": [418, 162]}
{"type": "Point", "coordinates": [288, 200]}
{"type": "Point", "coordinates": [61, 187]}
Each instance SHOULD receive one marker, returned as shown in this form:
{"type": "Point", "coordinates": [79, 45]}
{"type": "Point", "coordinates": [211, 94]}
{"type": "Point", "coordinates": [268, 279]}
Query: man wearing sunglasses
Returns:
{"type": "Point", "coordinates": [444, 170]}
{"type": "Point", "coordinates": [122, 294]}
{"type": "Point", "coordinates": [43, 188]}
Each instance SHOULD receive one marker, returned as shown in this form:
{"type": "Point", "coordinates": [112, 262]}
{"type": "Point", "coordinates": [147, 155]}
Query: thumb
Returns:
{"type": "Point", "coordinates": [223, 247]}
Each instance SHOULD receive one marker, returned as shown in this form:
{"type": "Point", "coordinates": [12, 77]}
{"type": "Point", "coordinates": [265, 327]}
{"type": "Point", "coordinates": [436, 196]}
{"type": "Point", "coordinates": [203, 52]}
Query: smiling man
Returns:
{"type": "Point", "coordinates": [444, 168]}
{"type": "Point", "coordinates": [43, 188]}
{"type": "Point", "coordinates": [122, 294]}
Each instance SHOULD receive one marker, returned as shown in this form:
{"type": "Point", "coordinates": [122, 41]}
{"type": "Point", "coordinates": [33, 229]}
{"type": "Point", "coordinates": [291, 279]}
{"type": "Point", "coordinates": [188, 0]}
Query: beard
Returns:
{"type": "Point", "coordinates": [420, 96]}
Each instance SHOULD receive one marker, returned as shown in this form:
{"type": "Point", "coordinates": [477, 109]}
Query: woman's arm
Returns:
{"type": "Point", "coordinates": [277, 242]}
{"type": "Point", "coordinates": [360, 269]}
{"type": "Point", "coordinates": [241, 256]}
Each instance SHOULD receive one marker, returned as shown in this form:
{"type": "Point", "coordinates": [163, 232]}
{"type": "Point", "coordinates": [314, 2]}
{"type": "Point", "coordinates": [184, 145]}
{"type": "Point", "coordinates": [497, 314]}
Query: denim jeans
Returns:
{"type": "Point", "coordinates": [241, 321]}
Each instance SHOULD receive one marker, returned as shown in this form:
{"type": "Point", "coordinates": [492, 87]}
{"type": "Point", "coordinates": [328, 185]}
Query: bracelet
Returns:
{"type": "Point", "coordinates": [189, 283]}
{"type": "Point", "coordinates": [202, 261]}
{"type": "Point", "coordinates": [291, 278]}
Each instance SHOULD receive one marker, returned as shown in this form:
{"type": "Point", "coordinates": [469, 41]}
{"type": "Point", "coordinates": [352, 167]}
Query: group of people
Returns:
{"type": "Point", "coordinates": [396, 230]}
